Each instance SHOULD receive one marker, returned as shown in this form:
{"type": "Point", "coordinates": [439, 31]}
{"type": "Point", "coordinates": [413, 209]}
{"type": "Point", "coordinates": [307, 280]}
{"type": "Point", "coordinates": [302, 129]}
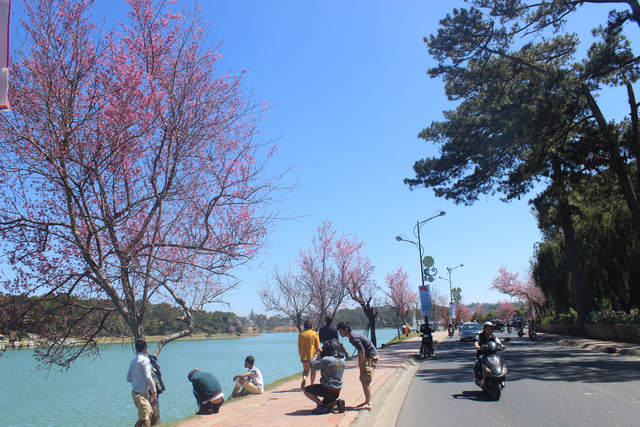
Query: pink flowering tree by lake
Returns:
{"type": "Point", "coordinates": [130, 171]}
{"type": "Point", "coordinates": [400, 297]}
{"type": "Point", "coordinates": [284, 292]}
{"type": "Point", "coordinates": [324, 277]}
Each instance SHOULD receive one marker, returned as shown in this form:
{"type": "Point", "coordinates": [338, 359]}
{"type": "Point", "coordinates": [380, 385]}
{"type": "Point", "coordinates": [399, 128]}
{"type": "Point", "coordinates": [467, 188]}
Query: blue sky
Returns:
{"type": "Point", "coordinates": [348, 83]}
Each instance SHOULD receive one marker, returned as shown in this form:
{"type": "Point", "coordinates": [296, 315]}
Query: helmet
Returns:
{"type": "Point", "coordinates": [485, 324]}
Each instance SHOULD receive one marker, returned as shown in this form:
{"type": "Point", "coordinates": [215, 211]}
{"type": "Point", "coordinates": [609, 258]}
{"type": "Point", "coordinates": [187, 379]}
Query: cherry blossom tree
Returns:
{"type": "Point", "coordinates": [355, 274]}
{"type": "Point", "coordinates": [129, 169]}
{"type": "Point", "coordinates": [332, 269]}
{"type": "Point", "coordinates": [463, 313]}
{"type": "Point", "coordinates": [525, 290]}
{"type": "Point", "coordinates": [506, 310]}
{"type": "Point", "coordinates": [286, 293]}
{"type": "Point", "coordinates": [400, 297]}
{"type": "Point", "coordinates": [320, 274]}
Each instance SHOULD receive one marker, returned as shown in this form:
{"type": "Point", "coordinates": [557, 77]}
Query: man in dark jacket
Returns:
{"type": "Point", "coordinates": [328, 331]}
{"type": "Point", "coordinates": [207, 391]}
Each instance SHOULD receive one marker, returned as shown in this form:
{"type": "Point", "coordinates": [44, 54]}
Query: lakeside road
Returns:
{"type": "Point", "coordinates": [286, 405]}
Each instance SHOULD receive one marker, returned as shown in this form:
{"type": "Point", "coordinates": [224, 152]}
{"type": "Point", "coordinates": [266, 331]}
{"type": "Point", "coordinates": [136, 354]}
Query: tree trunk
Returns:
{"type": "Point", "coordinates": [155, 417]}
{"type": "Point", "coordinates": [575, 269]}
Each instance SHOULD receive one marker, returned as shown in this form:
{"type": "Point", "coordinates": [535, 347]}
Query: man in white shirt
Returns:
{"type": "Point", "coordinates": [250, 382]}
{"type": "Point", "coordinates": [143, 388]}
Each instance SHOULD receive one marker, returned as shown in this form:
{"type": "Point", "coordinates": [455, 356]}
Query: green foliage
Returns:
{"type": "Point", "coordinates": [616, 317]}
{"type": "Point", "coordinates": [527, 114]}
{"type": "Point", "coordinates": [569, 318]}
{"type": "Point", "coordinates": [357, 319]}
{"type": "Point", "coordinates": [606, 245]}
{"type": "Point", "coordinates": [601, 317]}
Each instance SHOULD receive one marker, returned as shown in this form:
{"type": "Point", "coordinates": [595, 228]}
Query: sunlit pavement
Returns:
{"type": "Point", "coordinates": [286, 405]}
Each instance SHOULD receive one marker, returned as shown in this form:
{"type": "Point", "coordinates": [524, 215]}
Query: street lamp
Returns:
{"type": "Point", "coordinates": [450, 269]}
{"type": "Point", "coordinates": [418, 244]}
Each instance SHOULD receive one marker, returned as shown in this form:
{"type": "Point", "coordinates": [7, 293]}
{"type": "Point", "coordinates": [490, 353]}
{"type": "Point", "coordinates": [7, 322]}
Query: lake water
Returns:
{"type": "Point", "coordinates": [97, 393]}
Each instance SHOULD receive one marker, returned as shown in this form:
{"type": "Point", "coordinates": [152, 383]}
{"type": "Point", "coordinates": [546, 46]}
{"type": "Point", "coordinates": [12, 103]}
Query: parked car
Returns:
{"type": "Point", "coordinates": [498, 324]}
{"type": "Point", "coordinates": [469, 330]}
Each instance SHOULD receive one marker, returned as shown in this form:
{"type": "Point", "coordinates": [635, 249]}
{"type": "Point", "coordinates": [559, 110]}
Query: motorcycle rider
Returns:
{"type": "Point", "coordinates": [483, 338]}
{"type": "Point", "coordinates": [426, 347]}
{"type": "Point", "coordinates": [450, 328]}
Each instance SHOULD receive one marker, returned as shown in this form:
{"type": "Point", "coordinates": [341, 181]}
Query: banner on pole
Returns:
{"type": "Point", "coordinates": [426, 305]}
{"type": "Point", "coordinates": [5, 14]}
{"type": "Point", "coordinates": [452, 310]}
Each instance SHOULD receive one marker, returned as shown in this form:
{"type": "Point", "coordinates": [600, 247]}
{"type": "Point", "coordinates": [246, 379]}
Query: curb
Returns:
{"type": "Point", "coordinates": [388, 399]}
{"type": "Point", "coordinates": [603, 348]}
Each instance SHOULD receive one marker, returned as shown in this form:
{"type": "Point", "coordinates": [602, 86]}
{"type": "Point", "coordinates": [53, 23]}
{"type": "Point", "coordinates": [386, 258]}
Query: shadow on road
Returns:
{"type": "Point", "coordinates": [477, 395]}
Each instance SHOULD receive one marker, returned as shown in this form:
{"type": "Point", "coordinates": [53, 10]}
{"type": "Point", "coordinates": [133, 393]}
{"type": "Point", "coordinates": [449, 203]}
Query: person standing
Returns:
{"type": "Point", "coordinates": [367, 360]}
{"type": "Point", "coordinates": [308, 345]}
{"type": "Point", "coordinates": [143, 387]}
{"type": "Point", "coordinates": [207, 390]}
{"type": "Point", "coordinates": [251, 382]}
{"type": "Point", "coordinates": [328, 331]}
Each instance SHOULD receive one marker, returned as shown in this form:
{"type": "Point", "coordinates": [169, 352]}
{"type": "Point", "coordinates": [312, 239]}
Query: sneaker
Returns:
{"type": "Point", "coordinates": [320, 410]}
{"type": "Point", "coordinates": [341, 406]}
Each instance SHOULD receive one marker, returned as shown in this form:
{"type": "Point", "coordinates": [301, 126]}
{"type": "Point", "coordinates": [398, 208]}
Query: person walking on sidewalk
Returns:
{"type": "Point", "coordinates": [367, 360]}
{"type": "Point", "coordinates": [308, 345]}
{"type": "Point", "coordinates": [330, 362]}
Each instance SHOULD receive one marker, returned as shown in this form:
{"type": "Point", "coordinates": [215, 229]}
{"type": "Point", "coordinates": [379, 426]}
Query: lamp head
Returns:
{"type": "Point", "coordinates": [399, 239]}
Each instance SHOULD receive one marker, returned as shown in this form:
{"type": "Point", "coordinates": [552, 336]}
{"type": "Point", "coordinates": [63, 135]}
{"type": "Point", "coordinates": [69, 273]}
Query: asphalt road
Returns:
{"type": "Point", "coordinates": [547, 385]}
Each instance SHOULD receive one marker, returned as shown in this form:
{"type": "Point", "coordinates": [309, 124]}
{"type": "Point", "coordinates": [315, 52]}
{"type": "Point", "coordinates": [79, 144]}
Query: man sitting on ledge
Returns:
{"type": "Point", "coordinates": [250, 382]}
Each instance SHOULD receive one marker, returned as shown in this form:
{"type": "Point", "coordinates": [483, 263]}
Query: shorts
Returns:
{"type": "Point", "coordinates": [320, 391]}
{"type": "Point", "coordinates": [251, 388]}
{"type": "Point", "coordinates": [368, 368]}
{"type": "Point", "coordinates": [143, 405]}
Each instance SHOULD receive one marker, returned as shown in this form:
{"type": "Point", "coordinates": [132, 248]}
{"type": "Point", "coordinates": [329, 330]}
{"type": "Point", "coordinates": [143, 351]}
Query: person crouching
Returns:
{"type": "Point", "coordinates": [330, 361]}
{"type": "Point", "coordinates": [207, 390]}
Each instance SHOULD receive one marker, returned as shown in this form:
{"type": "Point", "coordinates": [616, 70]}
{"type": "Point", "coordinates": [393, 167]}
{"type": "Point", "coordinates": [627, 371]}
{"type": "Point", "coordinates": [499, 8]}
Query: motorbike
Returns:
{"type": "Point", "coordinates": [520, 331]}
{"type": "Point", "coordinates": [426, 347]}
{"type": "Point", "coordinates": [493, 371]}
{"type": "Point", "coordinates": [450, 331]}
{"type": "Point", "coordinates": [532, 333]}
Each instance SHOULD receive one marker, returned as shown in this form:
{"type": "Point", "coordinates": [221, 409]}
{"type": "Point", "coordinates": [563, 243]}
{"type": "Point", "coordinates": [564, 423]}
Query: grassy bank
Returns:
{"type": "Point", "coordinates": [194, 337]}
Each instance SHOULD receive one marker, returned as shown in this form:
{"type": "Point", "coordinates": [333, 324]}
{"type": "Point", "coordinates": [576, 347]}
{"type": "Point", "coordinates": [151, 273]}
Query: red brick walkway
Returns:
{"type": "Point", "coordinates": [286, 405]}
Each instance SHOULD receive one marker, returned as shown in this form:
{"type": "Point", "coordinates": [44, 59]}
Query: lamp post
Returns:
{"type": "Point", "coordinates": [450, 269]}
{"type": "Point", "coordinates": [451, 309]}
{"type": "Point", "coordinates": [430, 270]}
